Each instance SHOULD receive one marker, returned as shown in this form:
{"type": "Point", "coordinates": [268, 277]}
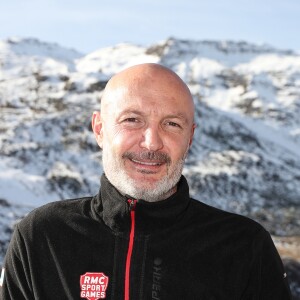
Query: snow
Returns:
{"type": "Point", "coordinates": [110, 60]}
{"type": "Point", "coordinates": [22, 188]}
{"type": "Point", "coordinates": [34, 48]}
{"type": "Point", "coordinates": [271, 63]}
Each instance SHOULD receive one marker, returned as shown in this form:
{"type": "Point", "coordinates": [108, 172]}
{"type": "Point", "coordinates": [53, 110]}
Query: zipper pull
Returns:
{"type": "Point", "coordinates": [132, 204]}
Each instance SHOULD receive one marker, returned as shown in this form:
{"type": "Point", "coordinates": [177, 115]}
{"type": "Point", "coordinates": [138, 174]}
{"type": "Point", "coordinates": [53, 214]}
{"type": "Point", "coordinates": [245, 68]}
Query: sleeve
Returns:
{"type": "Point", "coordinates": [15, 277]}
{"type": "Point", "coordinates": [273, 283]}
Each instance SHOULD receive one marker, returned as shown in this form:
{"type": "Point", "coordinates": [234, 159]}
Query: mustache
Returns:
{"type": "Point", "coordinates": [148, 155]}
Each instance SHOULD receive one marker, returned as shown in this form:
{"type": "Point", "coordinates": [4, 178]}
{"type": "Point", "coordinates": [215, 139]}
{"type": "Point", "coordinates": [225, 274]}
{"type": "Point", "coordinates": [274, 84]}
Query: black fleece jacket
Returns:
{"type": "Point", "coordinates": [102, 247]}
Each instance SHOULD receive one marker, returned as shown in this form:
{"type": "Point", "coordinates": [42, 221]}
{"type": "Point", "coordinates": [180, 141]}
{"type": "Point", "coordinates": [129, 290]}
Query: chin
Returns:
{"type": "Point", "coordinates": [146, 175]}
{"type": "Point", "coordinates": [140, 182]}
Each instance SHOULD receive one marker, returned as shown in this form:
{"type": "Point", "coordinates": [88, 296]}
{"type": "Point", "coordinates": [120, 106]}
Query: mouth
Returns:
{"type": "Point", "coordinates": [147, 167]}
{"type": "Point", "coordinates": [147, 163]}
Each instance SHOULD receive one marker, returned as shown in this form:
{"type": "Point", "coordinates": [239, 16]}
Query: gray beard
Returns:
{"type": "Point", "coordinates": [114, 170]}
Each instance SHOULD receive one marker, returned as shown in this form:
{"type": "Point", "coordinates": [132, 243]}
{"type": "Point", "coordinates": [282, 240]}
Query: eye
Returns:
{"type": "Point", "coordinates": [131, 120]}
{"type": "Point", "coordinates": [173, 124]}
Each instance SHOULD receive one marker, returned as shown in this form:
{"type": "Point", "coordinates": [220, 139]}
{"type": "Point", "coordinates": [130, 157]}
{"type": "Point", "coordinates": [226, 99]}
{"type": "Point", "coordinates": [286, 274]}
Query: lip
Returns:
{"type": "Point", "coordinates": [147, 166]}
{"type": "Point", "coordinates": [147, 163]}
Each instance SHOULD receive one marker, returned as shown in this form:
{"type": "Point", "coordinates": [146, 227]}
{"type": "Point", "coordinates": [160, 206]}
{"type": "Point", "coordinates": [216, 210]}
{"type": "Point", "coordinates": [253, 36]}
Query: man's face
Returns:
{"type": "Point", "coordinates": [146, 131]}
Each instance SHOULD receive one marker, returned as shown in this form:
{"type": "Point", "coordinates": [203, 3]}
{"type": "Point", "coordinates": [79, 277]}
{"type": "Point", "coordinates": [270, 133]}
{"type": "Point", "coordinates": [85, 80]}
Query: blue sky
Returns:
{"type": "Point", "coordinates": [92, 24]}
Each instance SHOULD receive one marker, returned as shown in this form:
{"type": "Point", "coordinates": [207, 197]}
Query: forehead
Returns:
{"type": "Point", "coordinates": [147, 89]}
{"type": "Point", "coordinates": [149, 100]}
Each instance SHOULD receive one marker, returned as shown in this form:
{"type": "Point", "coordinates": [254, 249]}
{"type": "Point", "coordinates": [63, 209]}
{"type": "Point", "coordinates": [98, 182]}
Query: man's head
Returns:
{"type": "Point", "coordinates": [145, 129]}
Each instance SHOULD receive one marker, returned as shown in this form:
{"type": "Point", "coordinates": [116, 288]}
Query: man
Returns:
{"type": "Point", "coordinates": [142, 236]}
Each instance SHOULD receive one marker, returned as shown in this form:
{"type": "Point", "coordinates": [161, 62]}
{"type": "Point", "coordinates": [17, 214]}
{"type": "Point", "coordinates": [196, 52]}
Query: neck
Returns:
{"type": "Point", "coordinates": [164, 196]}
{"type": "Point", "coordinates": [148, 197]}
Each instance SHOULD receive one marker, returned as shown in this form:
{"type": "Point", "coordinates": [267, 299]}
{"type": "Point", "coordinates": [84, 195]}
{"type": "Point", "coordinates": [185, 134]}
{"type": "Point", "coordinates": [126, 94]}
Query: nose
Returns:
{"type": "Point", "coordinates": [151, 139]}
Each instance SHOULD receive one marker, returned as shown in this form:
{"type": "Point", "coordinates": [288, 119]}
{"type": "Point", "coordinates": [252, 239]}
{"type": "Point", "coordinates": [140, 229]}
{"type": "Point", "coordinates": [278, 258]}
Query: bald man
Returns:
{"type": "Point", "coordinates": [142, 236]}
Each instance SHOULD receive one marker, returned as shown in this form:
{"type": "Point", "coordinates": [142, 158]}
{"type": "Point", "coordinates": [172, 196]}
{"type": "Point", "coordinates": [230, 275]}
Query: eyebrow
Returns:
{"type": "Point", "coordinates": [178, 116]}
{"type": "Point", "coordinates": [141, 113]}
{"type": "Point", "coordinates": [131, 111]}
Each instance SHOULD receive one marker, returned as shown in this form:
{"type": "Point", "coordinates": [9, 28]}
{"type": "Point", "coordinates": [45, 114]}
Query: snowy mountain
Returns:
{"type": "Point", "coordinates": [246, 153]}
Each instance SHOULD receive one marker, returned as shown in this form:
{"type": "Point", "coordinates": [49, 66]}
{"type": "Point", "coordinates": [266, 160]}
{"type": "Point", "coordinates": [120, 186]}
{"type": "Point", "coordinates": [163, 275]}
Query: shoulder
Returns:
{"type": "Point", "coordinates": [54, 213]}
{"type": "Point", "coordinates": [224, 220]}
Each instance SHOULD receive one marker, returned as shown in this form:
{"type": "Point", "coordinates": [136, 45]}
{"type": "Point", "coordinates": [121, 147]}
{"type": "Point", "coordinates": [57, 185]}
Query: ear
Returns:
{"type": "Point", "coordinates": [97, 127]}
{"type": "Point", "coordinates": [192, 134]}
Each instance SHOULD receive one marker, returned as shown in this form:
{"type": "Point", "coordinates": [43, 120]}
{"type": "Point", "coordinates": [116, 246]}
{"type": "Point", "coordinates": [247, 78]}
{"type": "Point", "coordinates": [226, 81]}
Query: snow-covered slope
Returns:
{"type": "Point", "coordinates": [246, 153]}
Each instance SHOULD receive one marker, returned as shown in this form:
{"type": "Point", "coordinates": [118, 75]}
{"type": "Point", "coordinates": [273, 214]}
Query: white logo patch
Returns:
{"type": "Point", "coordinates": [2, 277]}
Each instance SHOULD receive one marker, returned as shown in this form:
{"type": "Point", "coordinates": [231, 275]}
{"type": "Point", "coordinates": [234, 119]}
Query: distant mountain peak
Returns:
{"type": "Point", "coordinates": [19, 46]}
{"type": "Point", "coordinates": [226, 46]}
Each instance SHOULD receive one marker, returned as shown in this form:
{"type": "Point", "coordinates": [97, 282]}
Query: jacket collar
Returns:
{"type": "Point", "coordinates": [113, 209]}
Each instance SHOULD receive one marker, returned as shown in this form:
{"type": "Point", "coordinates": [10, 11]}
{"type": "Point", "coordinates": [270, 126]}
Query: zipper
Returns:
{"type": "Point", "coordinates": [132, 205]}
